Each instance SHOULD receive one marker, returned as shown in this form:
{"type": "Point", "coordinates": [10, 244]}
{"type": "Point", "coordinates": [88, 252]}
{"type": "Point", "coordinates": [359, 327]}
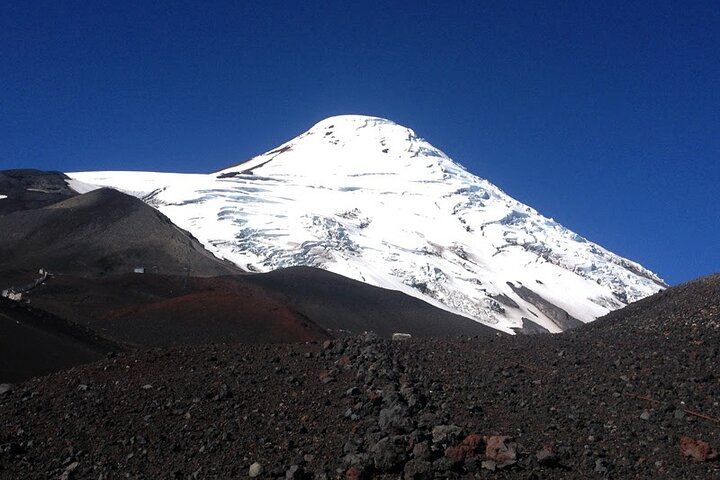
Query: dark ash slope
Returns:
{"type": "Point", "coordinates": [33, 342]}
{"type": "Point", "coordinates": [163, 310]}
{"type": "Point", "coordinates": [615, 399]}
{"type": "Point", "coordinates": [103, 232]}
{"type": "Point", "coordinates": [345, 306]}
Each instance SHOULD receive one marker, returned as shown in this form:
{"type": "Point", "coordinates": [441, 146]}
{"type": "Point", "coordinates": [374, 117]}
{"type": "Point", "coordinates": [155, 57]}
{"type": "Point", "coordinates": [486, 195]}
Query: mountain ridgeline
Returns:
{"type": "Point", "coordinates": [370, 200]}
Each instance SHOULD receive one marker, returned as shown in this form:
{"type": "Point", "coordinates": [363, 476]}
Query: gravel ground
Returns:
{"type": "Point", "coordinates": [634, 395]}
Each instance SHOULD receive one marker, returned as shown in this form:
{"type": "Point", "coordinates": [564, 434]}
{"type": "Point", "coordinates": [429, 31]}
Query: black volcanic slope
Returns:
{"type": "Point", "coordinates": [101, 233]}
{"type": "Point", "coordinates": [33, 343]}
{"type": "Point", "coordinates": [291, 305]}
{"type": "Point", "coordinates": [28, 189]}
{"type": "Point", "coordinates": [345, 306]}
{"type": "Point", "coordinates": [635, 395]}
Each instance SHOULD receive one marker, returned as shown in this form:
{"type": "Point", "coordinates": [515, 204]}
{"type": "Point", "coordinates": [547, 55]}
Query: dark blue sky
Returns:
{"type": "Point", "coordinates": [602, 115]}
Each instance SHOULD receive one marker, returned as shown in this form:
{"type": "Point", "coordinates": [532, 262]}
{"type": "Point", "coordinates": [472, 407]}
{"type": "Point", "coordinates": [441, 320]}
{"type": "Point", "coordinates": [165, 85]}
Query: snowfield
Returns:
{"type": "Point", "coordinates": [368, 199]}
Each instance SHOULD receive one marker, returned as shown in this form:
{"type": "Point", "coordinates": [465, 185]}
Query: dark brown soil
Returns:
{"type": "Point", "coordinates": [615, 399]}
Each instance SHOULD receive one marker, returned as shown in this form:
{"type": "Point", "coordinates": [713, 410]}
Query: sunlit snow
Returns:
{"type": "Point", "coordinates": [368, 199]}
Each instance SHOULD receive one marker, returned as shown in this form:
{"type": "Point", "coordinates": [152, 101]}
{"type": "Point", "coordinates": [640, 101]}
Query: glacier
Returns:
{"type": "Point", "coordinates": [367, 198]}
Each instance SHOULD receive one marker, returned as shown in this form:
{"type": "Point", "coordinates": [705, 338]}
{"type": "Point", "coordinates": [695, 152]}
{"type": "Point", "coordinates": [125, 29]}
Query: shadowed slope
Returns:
{"type": "Point", "coordinates": [33, 343]}
{"type": "Point", "coordinates": [343, 305]}
{"type": "Point", "coordinates": [100, 233]}
{"type": "Point", "coordinates": [160, 310]}
{"type": "Point", "coordinates": [686, 309]}
{"type": "Point", "coordinates": [28, 189]}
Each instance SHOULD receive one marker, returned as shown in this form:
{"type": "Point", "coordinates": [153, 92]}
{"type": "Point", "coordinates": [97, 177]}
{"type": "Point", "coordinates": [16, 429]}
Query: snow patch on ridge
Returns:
{"type": "Point", "coordinates": [81, 187]}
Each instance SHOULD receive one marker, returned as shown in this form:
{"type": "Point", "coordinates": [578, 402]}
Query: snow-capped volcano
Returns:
{"type": "Point", "coordinates": [368, 199]}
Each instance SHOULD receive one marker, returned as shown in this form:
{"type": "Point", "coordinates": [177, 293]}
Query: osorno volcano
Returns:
{"type": "Point", "coordinates": [367, 198]}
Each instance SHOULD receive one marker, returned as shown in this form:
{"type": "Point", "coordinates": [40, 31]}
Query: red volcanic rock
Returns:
{"type": "Point", "coordinates": [501, 449]}
{"type": "Point", "coordinates": [473, 441]}
{"type": "Point", "coordinates": [697, 450]}
{"type": "Point", "coordinates": [467, 449]}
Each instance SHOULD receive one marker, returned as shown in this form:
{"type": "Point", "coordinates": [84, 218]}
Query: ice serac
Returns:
{"type": "Point", "coordinates": [367, 198]}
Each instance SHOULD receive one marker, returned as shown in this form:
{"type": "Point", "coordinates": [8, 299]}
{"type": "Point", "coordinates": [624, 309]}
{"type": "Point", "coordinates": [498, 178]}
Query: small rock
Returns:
{"type": "Point", "coordinates": [223, 393]}
{"type": "Point", "coordinates": [459, 453]}
{"type": "Point", "coordinates": [82, 387]}
{"type": "Point", "coordinates": [418, 470]}
{"type": "Point", "coordinates": [645, 415]}
{"type": "Point", "coordinates": [602, 466]}
{"type": "Point", "coordinates": [488, 465]}
{"type": "Point", "coordinates": [355, 473]}
{"type": "Point", "coordinates": [501, 449]}
{"type": "Point", "coordinates": [359, 460]}
{"type": "Point", "coordinates": [255, 470]}
{"type": "Point", "coordinates": [442, 464]}
{"type": "Point", "coordinates": [697, 450]}
{"type": "Point", "coordinates": [146, 386]}
{"type": "Point", "coordinates": [326, 378]}
{"type": "Point", "coordinates": [473, 441]}
{"type": "Point", "coordinates": [68, 470]}
{"type": "Point", "coordinates": [472, 465]}
{"type": "Point", "coordinates": [546, 456]}
{"type": "Point", "coordinates": [295, 472]}
{"type": "Point", "coordinates": [5, 388]}
{"type": "Point", "coordinates": [421, 451]}
{"type": "Point", "coordinates": [394, 418]}
{"type": "Point", "coordinates": [445, 434]}
{"type": "Point", "coordinates": [389, 453]}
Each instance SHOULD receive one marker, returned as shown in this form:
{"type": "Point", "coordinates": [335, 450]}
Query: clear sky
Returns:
{"type": "Point", "coordinates": [602, 115]}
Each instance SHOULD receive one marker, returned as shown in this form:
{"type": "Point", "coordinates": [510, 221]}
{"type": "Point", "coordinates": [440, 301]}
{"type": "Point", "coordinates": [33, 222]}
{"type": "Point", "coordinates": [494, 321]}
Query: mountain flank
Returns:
{"type": "Point", "coordinates": [75, 261]}
{"type": "Point", "coordinates": [369, 199]}
{"type": "Point", "coordinates": [635, 396]}
{"type": "Point", "coordinates": [102, 232]}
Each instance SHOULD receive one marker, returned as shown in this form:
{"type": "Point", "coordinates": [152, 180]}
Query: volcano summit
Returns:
{"type": "Point", "coordinates": [367, 198]}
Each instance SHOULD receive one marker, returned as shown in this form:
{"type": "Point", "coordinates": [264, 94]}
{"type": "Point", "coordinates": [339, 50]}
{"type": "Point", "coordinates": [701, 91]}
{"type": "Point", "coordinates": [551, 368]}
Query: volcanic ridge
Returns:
{"type": "Point", "coordinates": [368, 199]}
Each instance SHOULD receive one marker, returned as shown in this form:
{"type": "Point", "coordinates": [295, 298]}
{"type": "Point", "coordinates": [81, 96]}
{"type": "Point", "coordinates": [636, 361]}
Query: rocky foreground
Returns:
{"type": "Point", "coordinates": [634, 395]}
